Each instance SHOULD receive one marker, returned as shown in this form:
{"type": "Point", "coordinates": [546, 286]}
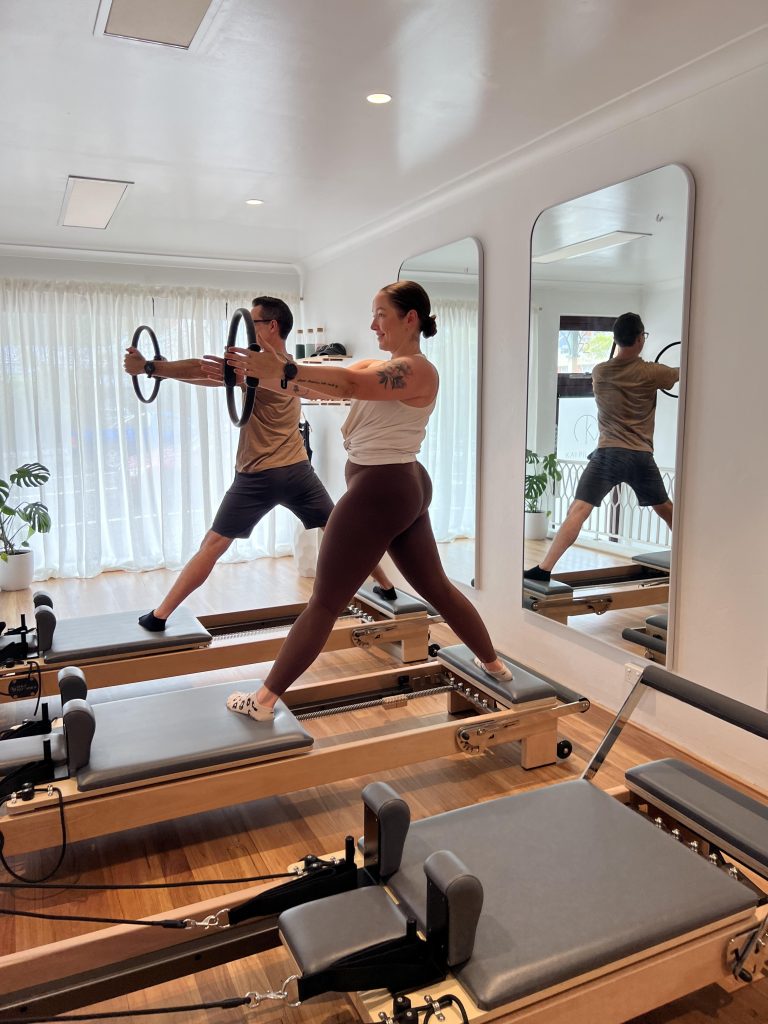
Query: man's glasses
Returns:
{"type": "Point", "coordinates": [270, 321]}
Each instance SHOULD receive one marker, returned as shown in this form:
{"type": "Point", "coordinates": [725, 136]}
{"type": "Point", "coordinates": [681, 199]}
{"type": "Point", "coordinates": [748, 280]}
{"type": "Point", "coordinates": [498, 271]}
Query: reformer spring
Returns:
{"type": "Point", "coordinates": [374, 703]}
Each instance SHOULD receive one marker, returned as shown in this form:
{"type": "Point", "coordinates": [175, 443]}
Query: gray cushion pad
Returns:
{"type": "Point", "coordinates": [404, 604]}
{"type": "Point", "coordinates": [548, 589]}
{"type": "Point", "coordinates": [523, 687]}
{"type": "Point", "coordinates": [185, 730]}
{"type": "Point", "coordinates": [318, 934]}
{"type": "Point", "coordinates": [736, 821]}
{"type": "Point", "coordinates": [120, 633]}
{"type": "Point", "coordinates": [573, 880]}
{"type": "Point", "coordinates": [656, 559]}
{"type": "Point", "coordinates": [658, 621]}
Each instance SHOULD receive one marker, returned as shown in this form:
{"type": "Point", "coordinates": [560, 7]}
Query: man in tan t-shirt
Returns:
{"type": "Point", "coordinates": [625, 389]}
{"type": "Point", "coordinates": [271, 465]}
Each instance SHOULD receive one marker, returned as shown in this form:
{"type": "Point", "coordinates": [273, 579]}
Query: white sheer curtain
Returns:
{"type": "Point", "coordinates": [132, 486]}
{"type": "Point", "coordinates": [449, 452]}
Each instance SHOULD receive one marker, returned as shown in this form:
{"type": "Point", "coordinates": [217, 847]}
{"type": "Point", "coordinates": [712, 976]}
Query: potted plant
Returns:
{"type": "Point", "coordinates": [18, 521]}
{"type": "Point", "coordinates": [541, 471]}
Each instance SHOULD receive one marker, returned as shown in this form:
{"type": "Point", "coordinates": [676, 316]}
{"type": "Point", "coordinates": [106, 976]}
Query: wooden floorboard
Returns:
{"type": "Point", "coordinates": [266, 835]}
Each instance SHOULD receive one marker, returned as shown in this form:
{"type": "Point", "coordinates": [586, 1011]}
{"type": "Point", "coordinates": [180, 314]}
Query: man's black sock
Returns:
{"type": "Point", "coordinates": [543, 575]}
{"type": "Point", "coordinates": [388, 593]}
{"type": "Point", "coordinates": [151, 622]}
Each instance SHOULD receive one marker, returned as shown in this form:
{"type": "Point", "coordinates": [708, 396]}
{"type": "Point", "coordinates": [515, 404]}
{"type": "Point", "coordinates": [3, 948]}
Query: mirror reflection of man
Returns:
{"type": "Point", "coordinates": [625, 390]}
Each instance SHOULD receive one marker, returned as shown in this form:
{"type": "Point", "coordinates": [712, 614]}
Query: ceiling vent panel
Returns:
{"type": "Point", "coordinates": [91, 202]}
{"type": "Point", "coordinates": [168, 22]}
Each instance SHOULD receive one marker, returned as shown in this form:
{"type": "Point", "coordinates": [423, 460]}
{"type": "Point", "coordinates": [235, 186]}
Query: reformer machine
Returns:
{"type": "Point", "coordinates": [562, 903]}
{"type": "Point", "coordinates": [118, 761]}
{"type": "Point", "coordinates": [595, 591]}
{"type": "Point", "coordinates": [115, 649]}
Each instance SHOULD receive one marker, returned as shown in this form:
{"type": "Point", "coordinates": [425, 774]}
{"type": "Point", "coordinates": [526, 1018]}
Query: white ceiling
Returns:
{"type": "Point", "coordinates": [270, 103]}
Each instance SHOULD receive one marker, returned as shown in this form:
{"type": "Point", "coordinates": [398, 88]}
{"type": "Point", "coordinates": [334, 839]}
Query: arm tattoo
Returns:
{"type": "Point", "coordinates": [394, 375]}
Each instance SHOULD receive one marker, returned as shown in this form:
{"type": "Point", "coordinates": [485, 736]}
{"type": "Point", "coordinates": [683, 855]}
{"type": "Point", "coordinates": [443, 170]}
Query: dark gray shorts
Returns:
{"type": "Point", "coordinates": [252, 495]}
{"type": "Point", "coordinates": [609, 467]}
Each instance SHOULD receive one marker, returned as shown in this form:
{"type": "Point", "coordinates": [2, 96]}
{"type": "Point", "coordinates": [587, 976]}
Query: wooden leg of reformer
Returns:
{"type": "Point", "coordinates": [539, 749]}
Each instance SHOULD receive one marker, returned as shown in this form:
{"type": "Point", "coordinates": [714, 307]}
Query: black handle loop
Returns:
{"type": "Point", "coordinates": [658, 357]}
{"type": "Point", "coordinates": [230, 377]}
{"type": "Point", "coordinates": [158, 358]}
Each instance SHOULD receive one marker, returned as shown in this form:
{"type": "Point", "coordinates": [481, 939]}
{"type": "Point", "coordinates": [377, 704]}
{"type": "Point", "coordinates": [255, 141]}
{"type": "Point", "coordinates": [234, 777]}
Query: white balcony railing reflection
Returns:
{"type": "Point", "coordinates": [619, 519]}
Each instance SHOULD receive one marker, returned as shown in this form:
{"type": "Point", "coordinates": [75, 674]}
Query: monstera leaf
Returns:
{"type": "Point", "coordinates": [31, 474]}
{"type": "Point", "coordinates": [18, 522]}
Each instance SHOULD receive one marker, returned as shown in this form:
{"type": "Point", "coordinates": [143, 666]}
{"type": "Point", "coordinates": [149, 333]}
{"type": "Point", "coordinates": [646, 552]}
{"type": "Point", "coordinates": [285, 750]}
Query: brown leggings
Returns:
{"type": "Point", "coordinates": [383, 509]}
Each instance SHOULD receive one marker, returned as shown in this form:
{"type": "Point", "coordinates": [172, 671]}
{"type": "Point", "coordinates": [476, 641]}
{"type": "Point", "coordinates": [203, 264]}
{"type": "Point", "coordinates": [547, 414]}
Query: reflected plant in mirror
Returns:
{"type": "Point", "coordinates": [607, 347]}
{"type": "Point", "coordinates": [452, 277]}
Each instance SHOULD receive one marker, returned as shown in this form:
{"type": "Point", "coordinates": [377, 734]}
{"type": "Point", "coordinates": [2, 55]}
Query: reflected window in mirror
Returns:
{"type": "Point", "coordinates": [451, 276]}
{"type": "Point", "coordinates": [605, 420]}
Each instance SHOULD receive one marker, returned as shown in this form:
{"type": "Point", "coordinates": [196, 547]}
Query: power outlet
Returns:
{"type": "Point", "coordinates": [632, 673]}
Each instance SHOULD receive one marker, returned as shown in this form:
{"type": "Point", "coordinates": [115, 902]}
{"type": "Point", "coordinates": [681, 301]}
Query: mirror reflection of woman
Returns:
{"type": "Point", "coordinates": [385, 507]}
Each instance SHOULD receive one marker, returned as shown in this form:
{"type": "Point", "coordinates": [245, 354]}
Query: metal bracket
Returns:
{"type": "Point", "coordinates": [218, 920]}
{"type": "Point", "coordinates": [365, 636]}
{"type": "Point", "coordinates": [749, 959]}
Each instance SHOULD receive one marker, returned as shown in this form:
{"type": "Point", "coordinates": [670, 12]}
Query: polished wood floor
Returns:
{"type": "Point", "coordinates": [267, 835]}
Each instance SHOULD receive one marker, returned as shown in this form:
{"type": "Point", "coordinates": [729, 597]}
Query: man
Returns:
{"type": "Point", "coordinates": [271, 466]}
{"type": "Point", "coordinates": [625, 390]}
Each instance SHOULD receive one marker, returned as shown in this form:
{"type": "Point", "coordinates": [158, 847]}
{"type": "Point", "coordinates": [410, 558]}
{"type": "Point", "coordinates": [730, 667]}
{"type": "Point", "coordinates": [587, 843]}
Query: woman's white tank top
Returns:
{"type": "Point", "coordinates": [381, 433]}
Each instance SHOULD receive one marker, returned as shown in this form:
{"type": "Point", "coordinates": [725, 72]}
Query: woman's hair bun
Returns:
{"type": "Point", "coordinates": [429, 327]}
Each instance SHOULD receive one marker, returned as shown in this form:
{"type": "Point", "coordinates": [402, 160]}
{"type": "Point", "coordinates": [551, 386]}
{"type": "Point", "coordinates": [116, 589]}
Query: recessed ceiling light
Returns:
{"type": "Point", "coordinates": [254, 202]}
{"type": "Point", "coordinates": [608, 241]}
{"type": "Point", "coordinates": [379, 97]}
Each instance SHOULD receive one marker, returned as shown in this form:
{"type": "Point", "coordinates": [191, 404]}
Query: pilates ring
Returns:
{"type": "Point", "coordinates": [658, 357]}
{"type": "Point", "coordinates": [157, 358]}
{"type": "Point", "coordinates": [230, 377]}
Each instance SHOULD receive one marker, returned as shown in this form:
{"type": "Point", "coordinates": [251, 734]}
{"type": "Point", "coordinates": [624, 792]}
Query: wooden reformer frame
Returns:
{"type": "Point", "coordinates": [600, 590]}
{"type": "Point", "coordinates": [730, 952]}
{"type": "Point", "coordinates": [405, 635]}
{"type": "Point", "coordinates": [35, 824]}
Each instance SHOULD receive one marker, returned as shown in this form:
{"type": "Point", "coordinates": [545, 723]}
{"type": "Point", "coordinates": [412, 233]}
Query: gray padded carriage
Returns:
{"type": "Point", "coordinates": [181, 731]}
{"type": "Point", "coordinates": [404, 604]}
{"type": "Point", "coordinates": [523, 688]}
{"type": "Point", "coordinates": [721, 814]}
{"type": "Point", "coordinates": [573, 880]}
{"type": "Point", "coordinates": [658, 622]}
{"type": "Point", "coordinates": [656, 559]}
{"type": "Point", "coordinates": [548, 588]}
{"type": "Point", "coordinates": [106, 636]}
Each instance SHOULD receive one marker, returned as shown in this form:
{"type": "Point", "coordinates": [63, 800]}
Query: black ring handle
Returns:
{"type": "Point", "coordinates": [158, 358]}
{"type": "Point", "coordinates": [230, 377]}
{"type": "Point", "coordinates": [658, 357]}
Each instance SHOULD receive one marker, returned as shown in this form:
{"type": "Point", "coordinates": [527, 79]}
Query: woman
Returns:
{"type": "Point", "coordinates": [388, 491]}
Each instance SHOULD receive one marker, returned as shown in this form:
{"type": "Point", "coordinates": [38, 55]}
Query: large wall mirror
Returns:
{"type": "Point", "coordinates": [452, 275]}
{"type": "Point", "coordinates": [610, 560]}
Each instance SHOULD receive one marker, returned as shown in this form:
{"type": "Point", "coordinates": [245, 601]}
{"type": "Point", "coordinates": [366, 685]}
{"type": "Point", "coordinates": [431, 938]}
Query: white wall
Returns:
{"type": "Point", "coordinates": [718, 132]}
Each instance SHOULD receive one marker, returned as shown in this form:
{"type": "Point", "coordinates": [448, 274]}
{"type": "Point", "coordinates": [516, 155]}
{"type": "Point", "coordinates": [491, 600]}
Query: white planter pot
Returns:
{"type": "Point", "coordinates": [535, 525]}
{"type": "Point", "coordinates": [17, 572]}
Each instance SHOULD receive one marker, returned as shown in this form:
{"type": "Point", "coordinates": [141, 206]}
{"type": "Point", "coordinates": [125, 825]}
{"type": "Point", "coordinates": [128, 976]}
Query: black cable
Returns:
{"type": "Point", "coordinates": [222, 1004]}
{"type": "Point", "coordinates": [168, 923]}
{"type": "Point", "coordinates": [52, 872]}
{"type": "Point", "coordinates": [442, 1003]}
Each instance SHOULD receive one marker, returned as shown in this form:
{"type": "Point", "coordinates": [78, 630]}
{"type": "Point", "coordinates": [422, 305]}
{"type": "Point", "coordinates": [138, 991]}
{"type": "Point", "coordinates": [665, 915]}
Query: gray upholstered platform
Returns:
{"type": "Point", "coordinates": [551, 588]}
{"type": "Point", "coordinates": [182, 731]}
{"type": "Point", "coordinates": [573, 880]}
{"type": "Point", "coordinates": [658, 621]}
{"type": "Point", "coordinates": [656, 559]}
{"type": "Point", "coordinates": [524, 687]}
{"type": "Point", "coordinates": [733, 821]}
{"type": "Point", "coordinates": [105, 636]}
{"type": "Point", "coordinates": [404, 604]}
